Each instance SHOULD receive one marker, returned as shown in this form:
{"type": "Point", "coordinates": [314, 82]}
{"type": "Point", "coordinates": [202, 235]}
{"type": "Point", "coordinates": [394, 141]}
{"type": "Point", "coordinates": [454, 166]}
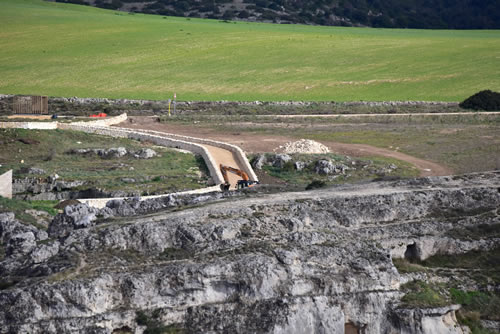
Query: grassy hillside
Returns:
{"type": "Point", "coordinates": [418, 14]}
{"type": "Point", "coordinates": [69, 50]}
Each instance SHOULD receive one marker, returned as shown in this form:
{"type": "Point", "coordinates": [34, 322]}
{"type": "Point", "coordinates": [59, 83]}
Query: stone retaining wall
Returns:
{"type": "Point", "coordinates": [29, 125]}
{"type": "Point", "coordinates": [108, 121]}
{"type": "Point", "coordinates": [85, 105]}
{"type": "Point", "coordinates": [101, 202]}
{"type": "Point", "coordinates": [240, 155]}
{"type": "Point", "coordinates": [6, 184]}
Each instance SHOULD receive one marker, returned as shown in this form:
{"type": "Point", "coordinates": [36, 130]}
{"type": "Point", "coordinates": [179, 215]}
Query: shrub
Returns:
{"type": "Point", "coordinates": [315, 185]}
{"type": "Point", "coordinates": [422, 294]}
{"type": "Point", "coordinates": [472, 320]}
{"type": "Point", "coordinates": [243, 14]}
{"type": "Point", "coordinates": [154, 325]}
{"type": "Point", "coordinates": [484, 100]}
{"type": "Point", "coordinates": [141, 318]}
{"type": "Point", "coordinates": [486, 303]}
{"type": "Point", "coordinates": [404, 266]}
{"type": "Point", "coordinates": [288, 166]}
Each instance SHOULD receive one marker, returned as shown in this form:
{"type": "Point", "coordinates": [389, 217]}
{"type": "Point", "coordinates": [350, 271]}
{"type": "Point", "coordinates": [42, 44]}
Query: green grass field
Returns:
{"type": "Point", "coordinates": [68, 50]}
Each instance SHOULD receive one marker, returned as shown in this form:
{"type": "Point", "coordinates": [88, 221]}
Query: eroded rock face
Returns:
{"type": "Point", "coordinates": [74, 217]}
{"type": "Point", "coordinates": [309, 262]}
{"type": "Point", "coordinates": [441, 320]}
{"type": "Point", "coordinates": [145, 153]}
{"type": "Point", "coordinates": [279, 160]}
{"type": "Point", "coordinates": [115, 152]}
{"type": "Point", "coordinates": [259, 161]}
{"type": "Point", "coordinates": [299, 165]}
{"type": "Point", "coordinates": [327, 167]}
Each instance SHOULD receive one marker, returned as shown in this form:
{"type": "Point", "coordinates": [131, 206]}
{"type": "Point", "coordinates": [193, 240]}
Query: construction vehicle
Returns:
{"type": "Point", "coordinates": [244, 183]}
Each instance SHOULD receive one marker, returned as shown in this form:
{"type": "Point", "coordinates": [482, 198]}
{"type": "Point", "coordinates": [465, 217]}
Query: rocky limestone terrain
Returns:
{"type": "Point", "coordinates": [304, 262]}
{"type": "Point", "coordinates": [32, 183]}
{"type": "Point", "coordinates": [53, 188]}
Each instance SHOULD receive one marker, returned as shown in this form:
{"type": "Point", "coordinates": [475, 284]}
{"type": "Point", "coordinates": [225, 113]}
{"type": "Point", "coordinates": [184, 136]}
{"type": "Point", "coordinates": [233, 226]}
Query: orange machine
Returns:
{"type": "Point", "coordinates": [246, 182]}
{"type": "Point", "coordinates": [99, 115]}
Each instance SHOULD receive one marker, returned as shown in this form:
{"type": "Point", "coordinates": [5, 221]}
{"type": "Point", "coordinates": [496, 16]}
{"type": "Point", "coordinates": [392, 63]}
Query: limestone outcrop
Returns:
{"type": "Point", "coordinates": [305, 262]}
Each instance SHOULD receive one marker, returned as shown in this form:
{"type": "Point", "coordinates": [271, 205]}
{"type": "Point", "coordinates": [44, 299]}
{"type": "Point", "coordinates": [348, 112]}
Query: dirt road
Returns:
{"type": "Point", "coordinates": [468, 113]}
{"type": "Point", "coordinates": [427, 168]}
{"type": "Point", "coordinates": [256, 143]}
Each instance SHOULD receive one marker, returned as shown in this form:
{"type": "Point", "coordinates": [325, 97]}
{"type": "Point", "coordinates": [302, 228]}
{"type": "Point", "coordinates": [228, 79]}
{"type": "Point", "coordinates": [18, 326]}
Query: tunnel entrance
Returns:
{"type": "Point", "coordinates": [411, 253]}
{"type": "Point", "coordinates": [350, 328]}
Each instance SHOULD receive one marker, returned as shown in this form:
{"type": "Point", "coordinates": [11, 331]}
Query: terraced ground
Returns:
{"type": "Point", "coordinates": [169, 171]}
{"type": "Point", "coordinates": [68, 50]}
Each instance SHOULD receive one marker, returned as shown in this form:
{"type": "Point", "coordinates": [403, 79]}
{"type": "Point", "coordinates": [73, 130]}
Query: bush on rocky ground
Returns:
{"type": "Point", "coordinates": [484, 100]}
{"type": "Point", "coordinates": [315, 185]}
{"type": "Point", "coordinates": [303, 169]}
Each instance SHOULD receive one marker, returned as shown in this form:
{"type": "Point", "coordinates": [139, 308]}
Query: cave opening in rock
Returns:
{"type": "Point", "coordinates": [123, 330]}
{"type": "Point", "coordinates": [411, 253]}
{"type": "Point", "coordinates": [350, 328]}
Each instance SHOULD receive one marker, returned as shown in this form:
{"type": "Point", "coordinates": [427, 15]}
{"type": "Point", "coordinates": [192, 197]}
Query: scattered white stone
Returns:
{"type": "Point", "coordinates": [145, 153]}
{"type": "Point", "coordinates": [303, 146]}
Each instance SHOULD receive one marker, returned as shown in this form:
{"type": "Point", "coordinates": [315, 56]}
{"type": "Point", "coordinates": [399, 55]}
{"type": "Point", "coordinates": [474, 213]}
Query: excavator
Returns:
{"type": "Point", "coordinates": [245, 183]}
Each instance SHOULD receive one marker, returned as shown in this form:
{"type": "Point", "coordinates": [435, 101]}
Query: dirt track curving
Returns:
{"type": "Point", "coordinates": [256, 143]}
{"type": "Point", "coordinates": [427, 168]}
{"type": "Point", "coordinates": [469, 113]}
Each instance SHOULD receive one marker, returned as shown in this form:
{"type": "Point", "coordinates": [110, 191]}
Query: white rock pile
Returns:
{"type": "Point", "coordinates": [303, 146]}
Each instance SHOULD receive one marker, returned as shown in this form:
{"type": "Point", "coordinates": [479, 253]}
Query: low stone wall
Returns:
{"type": "Point", "coordinates": [240, 155]}
{"type": "Point", "coordinates": [29, 125]}
{"type": "Point", "coordinates": [101, 202]}
{"type": "Point", "coordinates": [6, 184]}
{"type": "Point", "coordinates": [108, 121]}
{"type": "Point", "coordinates": [72, 105]}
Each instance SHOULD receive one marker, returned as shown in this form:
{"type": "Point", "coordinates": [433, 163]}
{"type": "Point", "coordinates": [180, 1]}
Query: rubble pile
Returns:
{"type": "Point", "coordinates": [303, 146]}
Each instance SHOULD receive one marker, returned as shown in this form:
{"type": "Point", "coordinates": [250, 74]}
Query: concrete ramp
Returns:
{"type": "Point", "coordinates": [228, 158]}
{"type": "Point", "coordinates": [222, 153]}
